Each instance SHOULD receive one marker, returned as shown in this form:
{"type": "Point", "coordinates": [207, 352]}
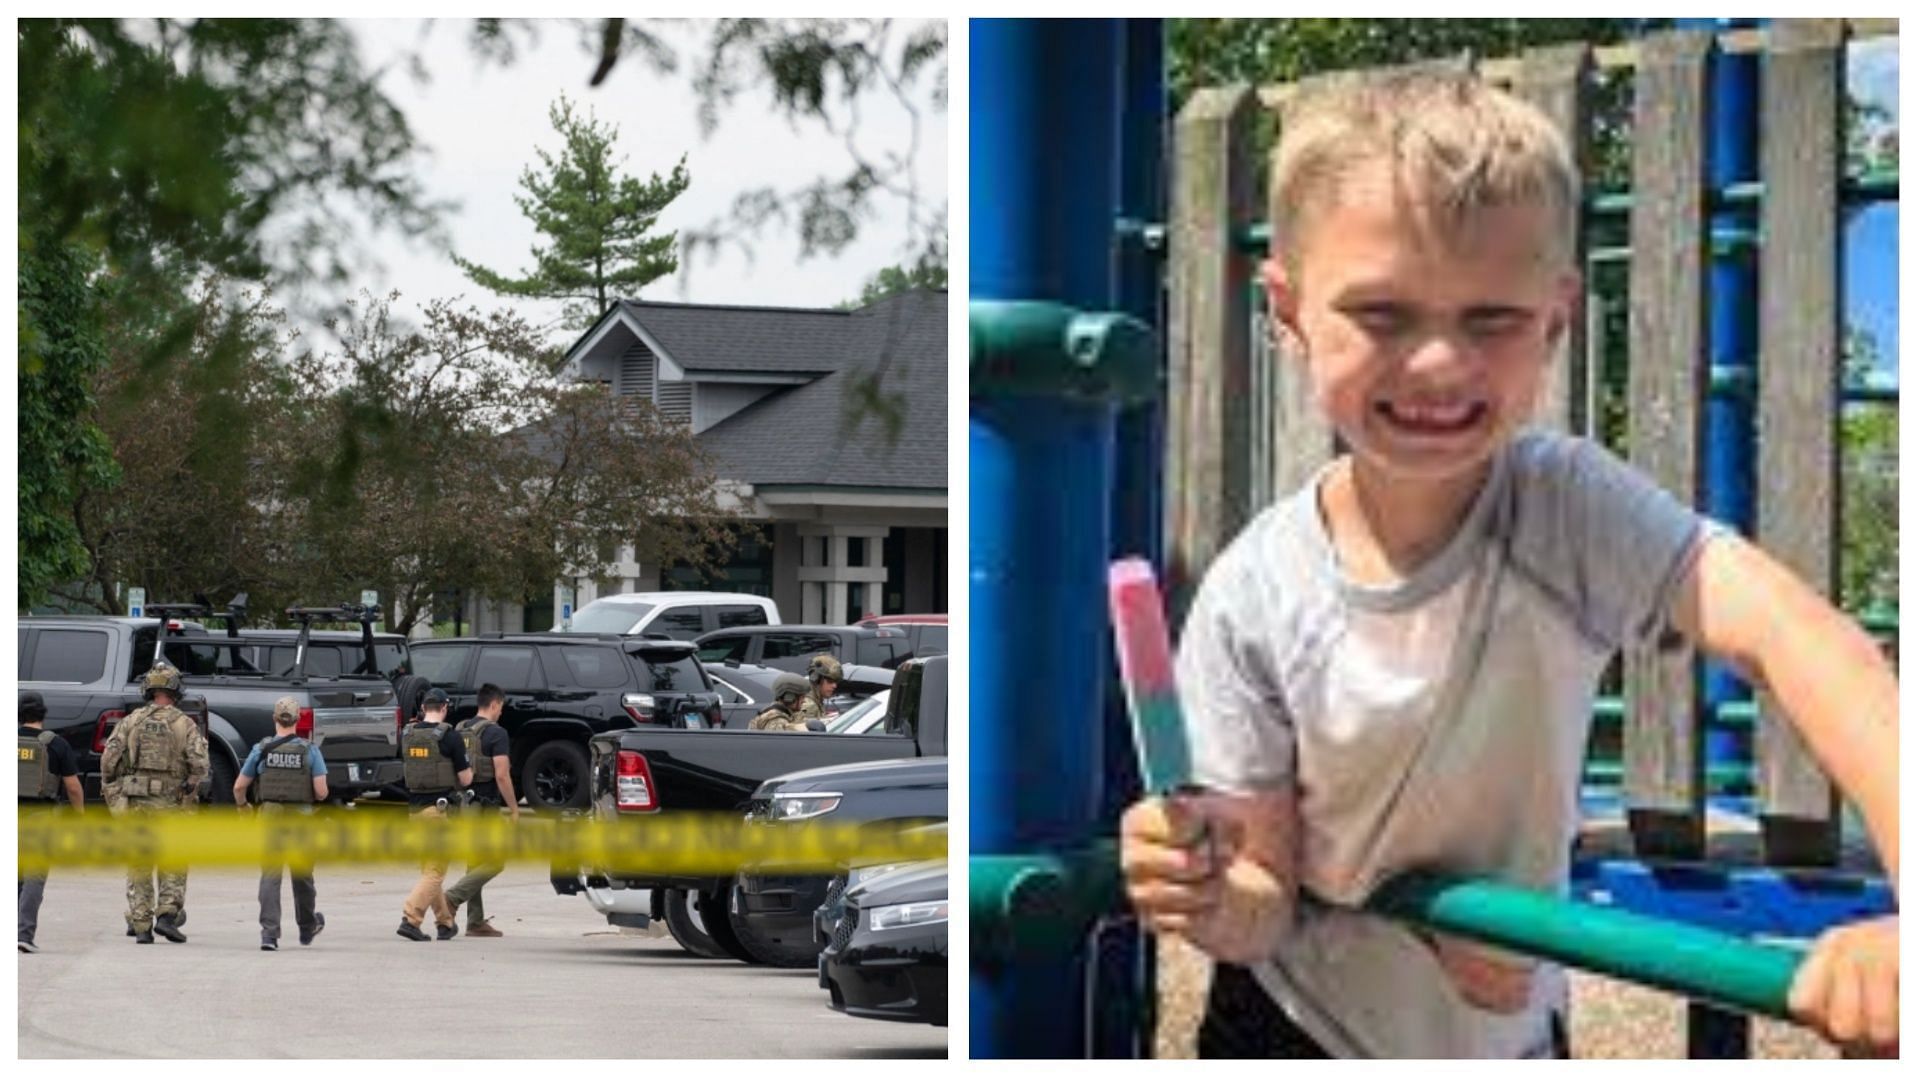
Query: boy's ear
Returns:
{"type": "Point", "coordinates": [1569, 296]}
{"type": "Point", "coordinates": [1283, 297]}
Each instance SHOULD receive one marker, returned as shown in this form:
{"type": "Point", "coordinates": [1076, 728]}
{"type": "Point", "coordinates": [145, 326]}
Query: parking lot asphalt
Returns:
{"type": "Point", "coordinates": [560, 984]}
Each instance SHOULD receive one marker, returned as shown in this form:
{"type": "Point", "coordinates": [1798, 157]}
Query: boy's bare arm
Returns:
{"type": "Point", "coordinates": [1742, 606]}
{"type": "Point", "coordinates": [1829, 677]}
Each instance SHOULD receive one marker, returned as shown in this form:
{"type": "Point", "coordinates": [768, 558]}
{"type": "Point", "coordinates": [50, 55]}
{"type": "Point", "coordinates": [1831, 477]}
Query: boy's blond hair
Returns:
{"type": "Point", "coordinates": [1453, 144]}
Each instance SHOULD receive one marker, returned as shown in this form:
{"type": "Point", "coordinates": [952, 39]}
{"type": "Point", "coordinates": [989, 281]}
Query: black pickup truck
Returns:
{"type": "Point", "coordinates": [655, 771]}
{"type": "Point", "coordinates": [88, 669]}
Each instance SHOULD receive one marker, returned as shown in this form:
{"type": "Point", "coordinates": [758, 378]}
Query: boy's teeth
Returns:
{"type": "Point", "coordinates": [1434, 414]}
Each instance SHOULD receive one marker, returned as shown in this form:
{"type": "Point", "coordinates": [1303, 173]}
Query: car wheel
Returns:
{"type": "Point", "coordinates": [407, 692]}
{"type": "Point", "coordinates": [712, 905]}
{"type": "Point", "coordinates": [789, 952]}
{"type": "Point", "coordinates": [555, 776]}
{"type": "Point", "coordinates": [221, 773]}
{"type": "Point", "coordinates": [687, 928]}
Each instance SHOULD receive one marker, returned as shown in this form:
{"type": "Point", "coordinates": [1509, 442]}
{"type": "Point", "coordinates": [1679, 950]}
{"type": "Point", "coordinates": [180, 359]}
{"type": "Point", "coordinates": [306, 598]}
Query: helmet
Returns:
{"type": "Point", "coordinates": [787, 684]}
{"type": "Point", "coordinates": [435, 698]}
{"type": "Point", "coordinates": [825, 666]}
{"type": "Point", "coordinates": [161, 676]}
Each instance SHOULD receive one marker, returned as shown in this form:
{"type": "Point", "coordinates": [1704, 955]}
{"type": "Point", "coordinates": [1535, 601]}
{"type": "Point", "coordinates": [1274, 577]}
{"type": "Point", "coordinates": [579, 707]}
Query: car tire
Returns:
{"type": "Point", "coordinates": [779, 953]}
{"type": "Point", "coordinates": [687, 928]}
{"type": "Point", "coordinates": [555, 776]}
{"type": "Point", "coordinates": [221, 773]}
{"type": "Point", "coordinates": [712, 905]}
{"type": "Point", "coordinates": [407, 692]}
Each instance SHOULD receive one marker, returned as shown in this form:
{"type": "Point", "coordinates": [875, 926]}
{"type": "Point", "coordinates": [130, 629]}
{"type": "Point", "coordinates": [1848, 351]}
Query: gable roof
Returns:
{"type": "Point", "coordinates": [802, 435]}
{"type": "Point", "coordinates": [702, 337]}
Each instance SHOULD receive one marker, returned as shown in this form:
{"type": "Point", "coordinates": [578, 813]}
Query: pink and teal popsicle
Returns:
{"type": "Point", "coordinates": [1146, 670]}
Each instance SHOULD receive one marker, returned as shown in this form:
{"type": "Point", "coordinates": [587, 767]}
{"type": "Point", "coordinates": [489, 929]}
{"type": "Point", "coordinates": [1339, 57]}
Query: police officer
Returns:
{"type": "Point", "coordinates": [49, 779]}
{"type": "Point", "coordinates": [789, 692]}
{"type": "Point", "coordinates": [488, 749]}
{"type": "Point", "coordinates": [153, 764]}
{"type": "Point", "coordinates": [825, 674]}
{"type": "Point", "coordinates": [434, 767]}
{"type": "Point", "coordinates": [292, 777]}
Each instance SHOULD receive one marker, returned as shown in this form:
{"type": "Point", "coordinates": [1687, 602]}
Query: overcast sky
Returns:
{"type": "Point", "coordinates": [478, 125]}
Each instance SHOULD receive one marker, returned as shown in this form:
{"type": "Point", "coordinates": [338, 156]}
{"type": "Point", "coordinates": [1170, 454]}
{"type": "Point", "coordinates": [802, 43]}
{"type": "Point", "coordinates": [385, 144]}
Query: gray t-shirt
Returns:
{"type": "Point", "coordinates": [1439, 722]}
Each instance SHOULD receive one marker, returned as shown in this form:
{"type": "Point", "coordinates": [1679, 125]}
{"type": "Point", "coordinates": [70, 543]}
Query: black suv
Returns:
{"type": "Point", "coordinates": [563, 689]}
{"type": "Point", "coordinates": [791, 648]}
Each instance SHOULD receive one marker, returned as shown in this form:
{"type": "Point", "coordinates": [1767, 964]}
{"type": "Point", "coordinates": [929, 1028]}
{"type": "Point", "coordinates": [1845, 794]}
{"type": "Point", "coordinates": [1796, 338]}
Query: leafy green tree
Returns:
{"type": "Point", "coordinates": [153, 153]}
{"type": "Point", "coordinates": [899, 279]}
{"type": "Point", "coordinates": [601, 244]}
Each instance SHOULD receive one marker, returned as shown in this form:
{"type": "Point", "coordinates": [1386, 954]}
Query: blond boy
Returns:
{"type": "Point", "coordinates": [1394, 667]}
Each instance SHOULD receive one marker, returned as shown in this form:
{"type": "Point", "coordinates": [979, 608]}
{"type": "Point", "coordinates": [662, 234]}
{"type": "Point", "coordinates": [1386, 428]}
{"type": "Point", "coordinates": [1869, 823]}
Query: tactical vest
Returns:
{"type": "Point", "coordinates": [471, 729]}
{"type": "Point", "coordinates": [36, 766]}
{"type": "Point", "coordinates": [284, 775]}
{"type": "Point", "coordinates": [153, 753]}
{"type": "Point", "coordinates": [426, 770]}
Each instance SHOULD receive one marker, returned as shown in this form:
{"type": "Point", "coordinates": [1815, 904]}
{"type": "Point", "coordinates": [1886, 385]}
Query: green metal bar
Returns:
{"type": "Point", "coordinates": [1027, 905]}
{"type": "Point", "coordinates": [1873, 187]}
{"type": "Point", "coordinates": [1722, 778]}
{"type": "Point", "coordinates": [1733, 714]}
{"type": "Point", "coordinates": [1042, 348]}
{"type": "Point", "coordinates": [1023, 906]}
{"type": "Point", "coordinates": [1869, 187]}
{"type": "Point", "coordinates": [1688, 960]}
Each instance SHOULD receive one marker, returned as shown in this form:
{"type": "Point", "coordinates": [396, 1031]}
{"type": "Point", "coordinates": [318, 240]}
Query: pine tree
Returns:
{"type": "Point", "coordinates": [599, 224]}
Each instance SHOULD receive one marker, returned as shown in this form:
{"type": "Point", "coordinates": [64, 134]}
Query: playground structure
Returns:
{"type": "Point", "coordinates": [1725, 248]}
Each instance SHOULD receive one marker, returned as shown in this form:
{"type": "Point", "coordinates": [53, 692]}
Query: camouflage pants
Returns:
{"type": "Point", "coordinates": [141, 907]}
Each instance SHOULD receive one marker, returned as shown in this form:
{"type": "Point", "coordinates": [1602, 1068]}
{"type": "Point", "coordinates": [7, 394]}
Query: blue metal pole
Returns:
{"type": "Point", "coordinates": [1732, 292]}
{"type": "Point", "coordinates": [1042, 160]}
{"type": "Point", "coordinates": [1125, 1000]}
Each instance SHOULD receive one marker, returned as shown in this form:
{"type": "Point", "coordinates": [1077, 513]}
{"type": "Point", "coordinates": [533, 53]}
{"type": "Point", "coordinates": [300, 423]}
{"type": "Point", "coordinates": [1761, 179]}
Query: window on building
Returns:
{"type": "Point", "coordinates": [893, 551]}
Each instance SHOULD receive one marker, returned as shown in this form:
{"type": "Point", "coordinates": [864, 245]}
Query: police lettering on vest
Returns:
{"type": "Point", "coordinates": [425, 768]}
{"type": "Point", "coordinates": [36, 766]}
{"type": "Point", "coordinates": [471, 731]}
{"type": "Point", "coordinates": [284, 773]}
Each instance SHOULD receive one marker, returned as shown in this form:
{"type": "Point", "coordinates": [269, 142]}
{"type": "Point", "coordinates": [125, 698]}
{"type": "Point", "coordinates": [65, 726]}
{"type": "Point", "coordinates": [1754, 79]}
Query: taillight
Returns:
{"type": "Point", "coordinates": [715, 718]}
{"type": "Point", "coordinates": [399, 719]}
{"type": "Point", "coordinates": [103, 727]}
{"type": "Point", "coordinates": [639, 706]}
{"type": "Point", "coordinates": [303, 727]}
{"type": "Point", "coordinates": [633, 790]}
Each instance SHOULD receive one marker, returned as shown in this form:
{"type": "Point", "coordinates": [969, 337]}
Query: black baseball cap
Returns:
{"type": "Point", "coordinates": [435, 696]}
{"type": "Point", "coordinates": [32, 705]}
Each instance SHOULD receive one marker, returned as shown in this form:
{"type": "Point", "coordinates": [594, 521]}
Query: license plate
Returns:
{"type": "Point", "coordinates": [694, 720]}
{"type": "Point", "coordinates": [353, 773]}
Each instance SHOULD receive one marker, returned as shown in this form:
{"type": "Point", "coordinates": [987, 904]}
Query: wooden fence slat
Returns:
{"type": "Point", "coordinates": [1663, 751]}
{"type": "Point", "coordinates": [1556, 80]}
{"type": "Point", "coordinates": [1209, 357]}
{"type": "Point", "coordinates": [1798, 467]}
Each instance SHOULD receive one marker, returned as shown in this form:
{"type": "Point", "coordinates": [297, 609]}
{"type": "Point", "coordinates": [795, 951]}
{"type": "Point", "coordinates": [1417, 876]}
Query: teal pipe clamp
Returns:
{"type": "Point", "coordinates": [1047, 349]}
{"type": "Point", "coordinates": [1028, 906]}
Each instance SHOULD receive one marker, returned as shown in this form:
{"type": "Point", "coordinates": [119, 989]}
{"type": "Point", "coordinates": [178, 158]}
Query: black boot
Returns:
{"type": "Point", "coordinates": [165, 927]}
{"type": "Point", "coordinates": [143, 937]}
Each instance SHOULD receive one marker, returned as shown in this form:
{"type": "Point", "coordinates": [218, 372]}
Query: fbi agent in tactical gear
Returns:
{"type": "Point", "coordinates": [154, 763]}
{"type": "Point", "coordinates": [825, 673]}
{"type": "Point", "coordinates": [488, 748]}
{"type": "Point", "coordinates": [49, 780]}
{"type": "Point", "coordinates": [789, 691]}
{"type": "Point", "coordinates": [434, 767]}
{"type": "Point", "coordinates": [291, 776]}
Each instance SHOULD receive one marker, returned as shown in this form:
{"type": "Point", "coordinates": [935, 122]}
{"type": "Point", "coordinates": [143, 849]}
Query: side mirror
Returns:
{"type": "Point", "coordinates": [816, 725]}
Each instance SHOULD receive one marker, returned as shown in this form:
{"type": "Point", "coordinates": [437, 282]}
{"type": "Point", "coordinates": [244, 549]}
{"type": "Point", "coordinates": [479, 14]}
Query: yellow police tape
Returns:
{"type": "Point", "coordinates": [682, 844]}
